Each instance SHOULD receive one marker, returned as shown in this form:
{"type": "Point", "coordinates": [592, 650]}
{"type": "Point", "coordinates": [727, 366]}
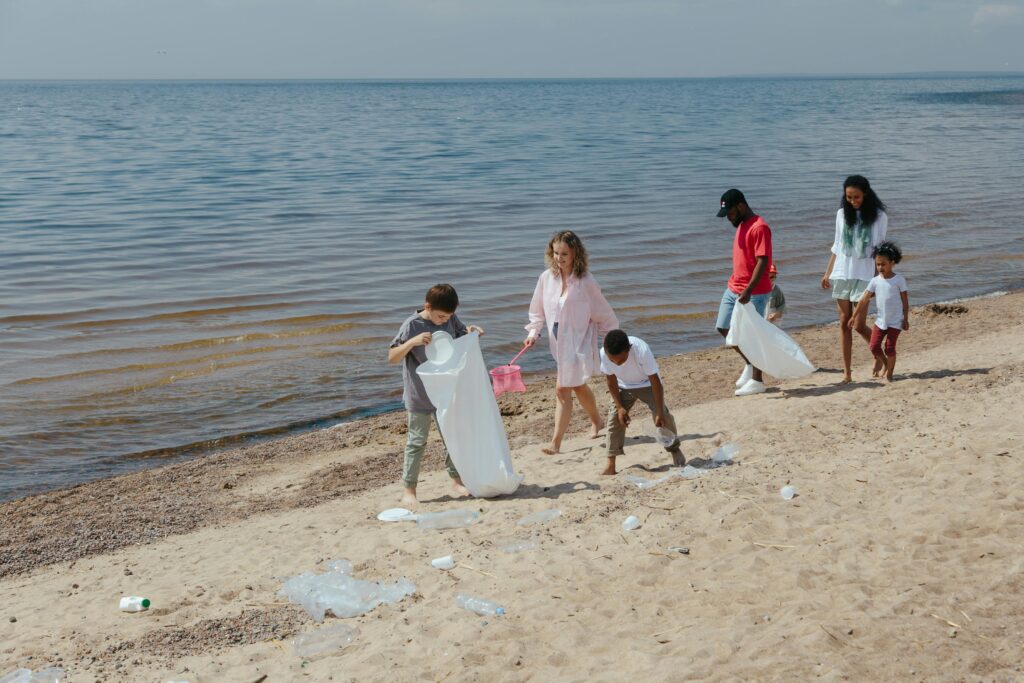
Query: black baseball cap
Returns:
{"type": "Point", "coordinates": [730, 199]}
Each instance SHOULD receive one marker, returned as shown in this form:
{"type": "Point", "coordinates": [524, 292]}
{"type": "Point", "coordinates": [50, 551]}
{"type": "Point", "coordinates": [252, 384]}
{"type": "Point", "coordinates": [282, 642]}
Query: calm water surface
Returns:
{"type": "Point", "coordinates": [187, 265]}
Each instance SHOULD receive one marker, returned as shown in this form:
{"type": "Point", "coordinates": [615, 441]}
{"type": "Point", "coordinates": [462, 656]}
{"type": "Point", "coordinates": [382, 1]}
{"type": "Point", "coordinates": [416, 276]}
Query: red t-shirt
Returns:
{"type": "Point", "coordinates": [753, 239]}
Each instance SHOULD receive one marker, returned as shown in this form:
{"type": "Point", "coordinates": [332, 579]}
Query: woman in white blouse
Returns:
{"type": "Point", "coordinates": [861, 225]}
{"type": "Point", "coordinates": [568, 301]}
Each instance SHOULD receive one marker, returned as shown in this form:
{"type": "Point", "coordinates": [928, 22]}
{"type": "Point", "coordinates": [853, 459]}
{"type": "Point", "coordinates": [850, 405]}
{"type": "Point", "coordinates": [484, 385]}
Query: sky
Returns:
{"type": "Point", "coordinates": [139, 39]}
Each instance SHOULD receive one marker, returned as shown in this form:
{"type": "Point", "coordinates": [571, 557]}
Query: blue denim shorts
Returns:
{"type": "Point", "coordinates": [729, 298]}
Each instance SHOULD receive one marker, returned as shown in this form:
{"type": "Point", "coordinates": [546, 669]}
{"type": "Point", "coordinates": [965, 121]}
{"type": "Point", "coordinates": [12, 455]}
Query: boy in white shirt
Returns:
{"type": "Point", "coordinates": [632, 374]}
{"type": "Point", "coordinates": [889, 289]}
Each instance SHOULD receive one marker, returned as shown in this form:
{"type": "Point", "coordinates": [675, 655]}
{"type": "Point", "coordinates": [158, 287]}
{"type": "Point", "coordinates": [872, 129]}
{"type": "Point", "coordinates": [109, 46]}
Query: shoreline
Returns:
{"type": "Point", "coordinates": [145, 513]}
{"type": "Point", "coordinates": [898, 558]}
{"type": "Point", "coordinates": [176, 455]}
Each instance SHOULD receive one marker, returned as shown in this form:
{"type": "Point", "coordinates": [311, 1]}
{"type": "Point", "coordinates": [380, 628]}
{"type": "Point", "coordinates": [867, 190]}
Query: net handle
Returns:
{"type": "Point", "coordinates": [519, 354]}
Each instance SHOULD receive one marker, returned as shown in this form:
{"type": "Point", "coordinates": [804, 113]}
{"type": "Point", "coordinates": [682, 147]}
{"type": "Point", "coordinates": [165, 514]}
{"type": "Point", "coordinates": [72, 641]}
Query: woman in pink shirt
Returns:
{"type": "Point", "coordinates": [569, 300]}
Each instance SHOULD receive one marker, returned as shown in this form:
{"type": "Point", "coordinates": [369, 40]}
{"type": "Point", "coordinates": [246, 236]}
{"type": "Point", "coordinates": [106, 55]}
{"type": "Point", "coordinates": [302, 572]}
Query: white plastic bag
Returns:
{"type": "Point", "coordinates": [458, 385]}
{"type": "Point", "coordinates": [765, 345]}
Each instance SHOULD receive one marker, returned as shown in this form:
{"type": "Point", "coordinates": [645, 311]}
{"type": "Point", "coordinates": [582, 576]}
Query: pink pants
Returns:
{"type": "Point", "coordinates": [890, 335]}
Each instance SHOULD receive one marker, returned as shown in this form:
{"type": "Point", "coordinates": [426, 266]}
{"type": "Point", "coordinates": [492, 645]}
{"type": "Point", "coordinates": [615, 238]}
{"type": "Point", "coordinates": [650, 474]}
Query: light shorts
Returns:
{"type": "Point", "coordinates": [849, 290]}
{"type": "Point", "coordinates": [729, 299]}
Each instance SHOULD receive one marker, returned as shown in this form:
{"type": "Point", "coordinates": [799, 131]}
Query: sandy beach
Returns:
{"type": "Point", "coordinates": [898, 559]}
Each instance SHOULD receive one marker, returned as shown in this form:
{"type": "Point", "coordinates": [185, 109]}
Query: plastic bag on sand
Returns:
{"type": "Point", "coordinates": [53, 674]}
{"type": "Point", "coordinates": [324, 640]}
{"type": "Point", "coordinates": [457, 383]}
{"type": "Point", "coordinates": [765, 345]}
{"type": "Point", "coordinates": [338, 591]}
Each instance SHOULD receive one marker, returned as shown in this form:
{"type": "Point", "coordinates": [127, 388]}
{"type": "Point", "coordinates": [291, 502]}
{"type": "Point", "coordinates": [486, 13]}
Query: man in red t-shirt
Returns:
{"type": "Point", "coordinates": [751, 257]}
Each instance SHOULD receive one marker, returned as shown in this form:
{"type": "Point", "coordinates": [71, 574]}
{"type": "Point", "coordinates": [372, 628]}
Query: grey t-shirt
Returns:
{"type": "Point", "coordinates": [413, 394]}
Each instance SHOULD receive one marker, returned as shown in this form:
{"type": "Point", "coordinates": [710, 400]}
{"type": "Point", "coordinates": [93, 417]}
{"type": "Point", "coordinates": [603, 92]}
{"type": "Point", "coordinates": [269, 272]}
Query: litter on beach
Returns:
{"type": "Point", "coordinates": [397, 515]}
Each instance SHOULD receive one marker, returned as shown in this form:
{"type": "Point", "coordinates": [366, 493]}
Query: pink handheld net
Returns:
{"type": "Point", "coordinates": [507, 377]}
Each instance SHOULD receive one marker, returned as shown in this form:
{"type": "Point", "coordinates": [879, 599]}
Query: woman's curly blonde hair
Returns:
{"type": "Point", "coordinates": [580, 262]}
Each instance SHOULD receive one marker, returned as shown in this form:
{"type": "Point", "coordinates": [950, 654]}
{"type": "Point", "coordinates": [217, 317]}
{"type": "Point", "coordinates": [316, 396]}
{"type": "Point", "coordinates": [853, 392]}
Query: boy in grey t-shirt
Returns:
{"type": "Point", "coordinates": [437, 315]}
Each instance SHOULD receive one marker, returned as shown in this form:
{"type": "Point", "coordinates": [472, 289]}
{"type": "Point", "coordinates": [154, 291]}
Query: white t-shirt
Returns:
{"type": "Point", "coordinates": [855, 267]}
{"type": "Point", "coordinates": [888, 300]}
{"type": "Point", "coordinates": [639, 365]}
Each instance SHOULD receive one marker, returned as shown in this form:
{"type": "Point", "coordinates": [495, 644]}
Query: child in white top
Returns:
{"type": "Point", "coordinates": [889, 289]}
{"type": "Point", "coordinates": [632, 374]}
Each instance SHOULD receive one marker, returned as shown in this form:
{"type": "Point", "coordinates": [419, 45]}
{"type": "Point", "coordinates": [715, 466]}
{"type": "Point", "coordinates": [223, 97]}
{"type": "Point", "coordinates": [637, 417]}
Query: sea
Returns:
{"type": "Point", "coordinates": [191, 265]}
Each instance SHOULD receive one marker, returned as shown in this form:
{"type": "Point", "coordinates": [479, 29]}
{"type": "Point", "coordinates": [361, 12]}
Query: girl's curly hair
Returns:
{"type": "Point", "coordinates": [890, 251]}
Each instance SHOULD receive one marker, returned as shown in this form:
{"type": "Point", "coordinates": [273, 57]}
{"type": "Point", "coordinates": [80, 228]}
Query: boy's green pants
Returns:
{"type": "Point", "coordinates": [419, 428]}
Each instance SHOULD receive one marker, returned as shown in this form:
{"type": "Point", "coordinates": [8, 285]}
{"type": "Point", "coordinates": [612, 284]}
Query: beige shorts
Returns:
{"type": "Point", "coordinates": [849, 290]}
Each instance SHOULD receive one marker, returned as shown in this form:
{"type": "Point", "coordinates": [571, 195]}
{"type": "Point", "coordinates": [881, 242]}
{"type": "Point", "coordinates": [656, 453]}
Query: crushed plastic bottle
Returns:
{"type": "Point", "coordinates": [53, 674]}
{"type": "Point", "coordinates": [517, 546]}
{"type": "Point", "coordinates": [485, 608]}
{"type": "Point", "coordinates": [539, 517]}
{"type": "Point", "coordinates": [445, 562]}
{"type": "Point", "coordinates": [133, 604]}
{"type": "Point", "coordinates": [449, 519]}
{"type": "Point", "coordinates": [631, 523]}
{"type": "Point", "coordinates": [338, 591]}
{"type": "Point", "coordinates": [327, 639]}
{"type": "Point", "coordinates": [725, 454]}
{"type": "Point", "coordinates": [787, 492]}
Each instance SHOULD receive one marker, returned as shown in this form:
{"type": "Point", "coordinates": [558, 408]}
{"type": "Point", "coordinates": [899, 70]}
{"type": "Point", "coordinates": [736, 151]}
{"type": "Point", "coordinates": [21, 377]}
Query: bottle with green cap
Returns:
{"type": "Point", "coordinates": [134, 604]}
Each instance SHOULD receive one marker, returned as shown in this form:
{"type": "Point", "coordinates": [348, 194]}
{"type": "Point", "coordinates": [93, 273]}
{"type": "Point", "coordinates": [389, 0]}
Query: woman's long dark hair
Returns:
{"type": "Point", "coordinates": [869, 209]}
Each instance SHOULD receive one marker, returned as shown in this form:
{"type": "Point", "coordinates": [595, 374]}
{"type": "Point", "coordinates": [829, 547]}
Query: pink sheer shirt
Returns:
{"type": "Point", "coordinates": [584, 317]}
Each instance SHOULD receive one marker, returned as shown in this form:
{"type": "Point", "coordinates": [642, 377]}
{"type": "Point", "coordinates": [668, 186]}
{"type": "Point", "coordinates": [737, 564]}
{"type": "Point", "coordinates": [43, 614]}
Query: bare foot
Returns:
{"type": "Point", "coordinates": [409, 498]}
{"type": "Point", "coordinates": [609, 469]}
{"type": "Point", "coordinates": [550, 450]}
{"type": "Point", "coordinates": [678, 459]}
{"type": "Point", "coordinates": [460, 489]}
{"type": "Point", "coordinates": [595, 431]}
{"type": "Point", "coordinates": [889, 379]}
{"type": "Point", "coordinates": [879, 366]}
{"type": "Point", "coordinates": [846, 379]}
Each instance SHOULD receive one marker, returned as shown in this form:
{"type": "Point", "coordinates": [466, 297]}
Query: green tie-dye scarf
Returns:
{"type": "Point", "coordinates": [856, 239]}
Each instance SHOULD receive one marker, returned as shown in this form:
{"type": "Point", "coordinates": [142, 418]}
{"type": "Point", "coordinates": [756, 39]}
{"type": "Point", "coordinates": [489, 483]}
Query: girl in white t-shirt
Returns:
{"type": "Point", "coordinates": [861, 225]}
{"type": "Point", "coordinates": [889, 289]}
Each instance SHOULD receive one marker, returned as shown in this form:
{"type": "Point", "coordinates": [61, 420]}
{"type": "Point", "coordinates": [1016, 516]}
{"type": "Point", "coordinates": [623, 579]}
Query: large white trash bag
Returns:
{"type": "Point", "coordinates": [765, 345]}
{"type": "Point", "coordinates": [458, 385]}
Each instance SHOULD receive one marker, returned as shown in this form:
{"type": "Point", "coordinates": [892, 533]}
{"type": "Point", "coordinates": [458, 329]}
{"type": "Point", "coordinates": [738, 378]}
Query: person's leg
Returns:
{"type": "Point", "coordinates": [563, 413]}
{"type": "Point", "coordinates": [647, 396]}
{"type": "Point", "coordinates": [617, 430]}
{"type": "Point", "coordinates": [892, 334]}
{"type": "Point", "coordinates": [460, 488]}
{"type": "Point", "coordinates": [875, 345]}
{"type": "Point", "coordinates": [723, 322]}
{"type": "Point", "coordinates": [589, 403]}
{"type": "Point", "coordinates": [416, 442]}
{"type": "Point", "coordinates": [845, 309]}
{"type": "Point", "coordinates": [760, 302]}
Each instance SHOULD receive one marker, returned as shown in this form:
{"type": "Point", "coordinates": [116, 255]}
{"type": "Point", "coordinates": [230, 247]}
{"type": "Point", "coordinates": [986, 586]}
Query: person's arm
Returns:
{"type": "Point", "coordinates": [398, 353]}
{"type": "Point", "coordinates": [826, 278]}
{"type": "Point", "coordinates": [860, 310]}
{"type": "Point", "coordinates": [906, 309]}
{"type": "Point", "coordinates": [659, 400]}
{"type": "Point", "coordinates": [759, 269]}
{"type": "Point", "coordinates": [600, 310]}
{"type": "Point", "coordinates": [613, 389]}
{"type": "Point", "coordinates": [536, 323]}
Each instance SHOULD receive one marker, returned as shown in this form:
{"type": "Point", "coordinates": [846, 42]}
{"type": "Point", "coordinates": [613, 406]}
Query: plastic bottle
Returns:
{"type": "Point", "coordinates": [787, 492]}
{"type": "Point", "coordinates": [133, 604]}
{"type": "Point", "coordinates": [631, 523]}
{"type": "Point", "coordinates": [449, 519]}
{"type": "Point", "coordinates": [485, 608]}
{"type": "Point", "coordinates": [540, 517]}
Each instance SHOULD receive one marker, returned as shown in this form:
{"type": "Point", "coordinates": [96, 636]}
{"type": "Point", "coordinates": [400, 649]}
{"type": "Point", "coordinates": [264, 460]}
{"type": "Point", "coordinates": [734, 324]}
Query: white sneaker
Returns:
{"type": "Point", "coordinates": [745, 376]}
{"type": "Point", "coordinates": [750, 388]}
